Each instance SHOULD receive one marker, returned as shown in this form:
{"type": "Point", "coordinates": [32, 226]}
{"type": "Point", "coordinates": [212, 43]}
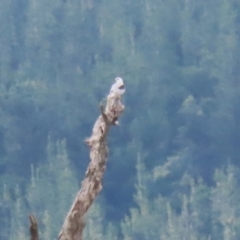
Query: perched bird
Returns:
{"type": "Point", "coordinates": [118, 87]}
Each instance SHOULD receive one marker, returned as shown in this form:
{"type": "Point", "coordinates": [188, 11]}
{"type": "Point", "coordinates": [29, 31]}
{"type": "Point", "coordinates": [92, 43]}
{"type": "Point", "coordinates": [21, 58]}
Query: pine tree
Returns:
{"type": "Point", "coordinates": [52, 188]}
{"type": "Point", "coordinates": [225, 199]}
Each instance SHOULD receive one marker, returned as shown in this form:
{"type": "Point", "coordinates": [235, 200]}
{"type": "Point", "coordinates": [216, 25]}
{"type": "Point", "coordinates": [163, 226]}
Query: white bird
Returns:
{"type": "Point", "coordinates": [118, 87]}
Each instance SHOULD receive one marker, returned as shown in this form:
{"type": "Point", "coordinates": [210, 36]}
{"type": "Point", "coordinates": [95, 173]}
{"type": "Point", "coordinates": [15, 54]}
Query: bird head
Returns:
{"type": "Point", "coordinates": [119, 82]}
{"type": "Point", "coordinates": [118, 87]}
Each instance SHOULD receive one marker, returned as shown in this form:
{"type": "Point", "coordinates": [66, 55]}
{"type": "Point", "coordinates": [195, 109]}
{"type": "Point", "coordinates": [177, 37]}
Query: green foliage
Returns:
{"type": "Point", "coordinates": [52, 188]}
{"type": "Point", "coordinates": [180, 63]}
{"type": "Point", "coordinates": [18, 223]}
{"type": "Point", "coordinates": [225, 197]}
{"type": "Point", "coordinates": [202, 212]}
{"type": "Point", "coordinates": [145, 221]}
{"type": "Point", "coordinates": [96, 226]}
{"type": "Point", "coordinates": [48, 195]}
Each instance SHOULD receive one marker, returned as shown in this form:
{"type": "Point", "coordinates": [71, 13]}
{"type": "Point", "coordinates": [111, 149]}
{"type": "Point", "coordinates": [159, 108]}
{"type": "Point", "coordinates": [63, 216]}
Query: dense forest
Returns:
{"type": "Point", "coordinates": [174, 163]}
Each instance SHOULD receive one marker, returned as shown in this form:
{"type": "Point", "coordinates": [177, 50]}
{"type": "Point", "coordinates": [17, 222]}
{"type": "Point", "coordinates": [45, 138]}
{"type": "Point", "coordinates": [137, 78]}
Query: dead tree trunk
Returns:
{"type": "Point", "coordinates": [92, 184]}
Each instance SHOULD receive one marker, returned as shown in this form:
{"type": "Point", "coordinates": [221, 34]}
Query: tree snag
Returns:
{"type": "Point", "coordinates": [92, 184]}
{"type": "Point", "coordinates": [33, 228]}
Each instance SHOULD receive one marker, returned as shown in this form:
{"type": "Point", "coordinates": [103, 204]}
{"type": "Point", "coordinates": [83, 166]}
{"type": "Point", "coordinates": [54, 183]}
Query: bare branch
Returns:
{"type": "Point", "coordinates": [33, 228]}
{"type": "Point", "coordinates": [92, 184]}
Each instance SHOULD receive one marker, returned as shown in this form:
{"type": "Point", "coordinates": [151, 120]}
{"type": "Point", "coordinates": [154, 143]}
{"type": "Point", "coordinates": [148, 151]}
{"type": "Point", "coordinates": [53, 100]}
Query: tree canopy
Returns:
{"type": "Point", "coordinates": [177, 147]}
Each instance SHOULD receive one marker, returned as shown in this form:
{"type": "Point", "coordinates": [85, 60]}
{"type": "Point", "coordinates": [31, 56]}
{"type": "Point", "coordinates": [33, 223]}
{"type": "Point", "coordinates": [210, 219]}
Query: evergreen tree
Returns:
{"type": "Point", "coordinates": [225, 199]}
{"type": "Point", "coordinates": [52, 189]}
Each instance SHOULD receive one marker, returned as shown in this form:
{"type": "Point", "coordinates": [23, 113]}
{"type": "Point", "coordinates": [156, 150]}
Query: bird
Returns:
{"type": "Point", "coordinates": [118, 87]}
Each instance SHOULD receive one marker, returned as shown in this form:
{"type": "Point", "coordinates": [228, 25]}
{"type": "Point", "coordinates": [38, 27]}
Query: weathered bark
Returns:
{"type": "Point", "coordinates": [92, 184]}
{"type": "Point", "coordinates": [33, 228]}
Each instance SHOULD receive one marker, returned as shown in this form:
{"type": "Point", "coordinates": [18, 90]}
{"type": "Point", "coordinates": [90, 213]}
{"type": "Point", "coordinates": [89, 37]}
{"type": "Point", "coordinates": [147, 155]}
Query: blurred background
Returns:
{"type": "Point", "coordinates": [173, 169]}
